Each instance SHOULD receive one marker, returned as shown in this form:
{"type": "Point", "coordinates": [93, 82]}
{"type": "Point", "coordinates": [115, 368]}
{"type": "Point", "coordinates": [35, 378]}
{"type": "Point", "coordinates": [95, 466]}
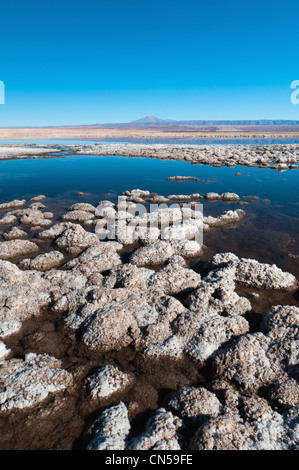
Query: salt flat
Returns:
{"type": "Point", "coordinates": [22, 152]}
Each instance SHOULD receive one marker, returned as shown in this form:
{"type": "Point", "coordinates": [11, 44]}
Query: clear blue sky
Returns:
{"type": "Point", "coordinates": [74, 62]}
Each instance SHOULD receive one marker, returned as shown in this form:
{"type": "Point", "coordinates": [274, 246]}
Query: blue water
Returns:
{"type": "Point", "coordinates": [269, 232]}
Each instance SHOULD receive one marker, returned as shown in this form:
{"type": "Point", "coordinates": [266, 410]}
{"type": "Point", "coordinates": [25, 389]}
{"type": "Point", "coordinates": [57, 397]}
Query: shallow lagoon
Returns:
{"type": "Point", "coordinates": [269, 232]}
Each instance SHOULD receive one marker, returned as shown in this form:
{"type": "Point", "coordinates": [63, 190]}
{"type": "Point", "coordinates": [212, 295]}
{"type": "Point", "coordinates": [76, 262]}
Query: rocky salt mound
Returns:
{"type": "Point", "coordinates": [43, 262]}
{"type": "Point", "coordinates": [164, 231]}
{"type": "Point", "coordinates": [107, 381]}
{"type": "Point", "coordinates": [128, 319]}
{"type": "Point", "coordinates": [29, 382]}
{"type": "Point", "coordinates": [14, 248]}
{"type": "Point", "coordinates": [252, 273]}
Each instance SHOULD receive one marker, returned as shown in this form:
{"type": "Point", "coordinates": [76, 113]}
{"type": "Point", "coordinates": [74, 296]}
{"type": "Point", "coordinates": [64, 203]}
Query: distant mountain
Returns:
{"type": "Point", "coordinates": [153, 121]}
{"type": "Point", "coordinates": [187, 125]}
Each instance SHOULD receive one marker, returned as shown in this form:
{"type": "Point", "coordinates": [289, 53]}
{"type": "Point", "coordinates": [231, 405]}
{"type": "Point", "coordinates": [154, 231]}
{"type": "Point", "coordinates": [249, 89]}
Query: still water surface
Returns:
{"type": "Point", "coordinates": [269, 232]}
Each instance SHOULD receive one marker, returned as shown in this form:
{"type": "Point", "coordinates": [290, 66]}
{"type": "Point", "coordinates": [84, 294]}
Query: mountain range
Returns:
{"type": "Point", "coordinates": [152, 121]}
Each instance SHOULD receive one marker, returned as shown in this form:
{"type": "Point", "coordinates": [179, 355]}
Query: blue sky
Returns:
{"type": "Point", "coordinates": [74, 62]}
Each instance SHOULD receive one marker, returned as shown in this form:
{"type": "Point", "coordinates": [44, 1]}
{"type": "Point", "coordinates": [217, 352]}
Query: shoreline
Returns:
{"type": "Point", "coordinates": [275, 156]}
{"type": "Point", "coordinates": [137, 133]}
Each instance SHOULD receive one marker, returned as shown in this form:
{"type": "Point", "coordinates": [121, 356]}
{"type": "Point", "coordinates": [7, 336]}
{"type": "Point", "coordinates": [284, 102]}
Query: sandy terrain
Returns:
{"type": "Point", "coordinates": [143, 133]}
